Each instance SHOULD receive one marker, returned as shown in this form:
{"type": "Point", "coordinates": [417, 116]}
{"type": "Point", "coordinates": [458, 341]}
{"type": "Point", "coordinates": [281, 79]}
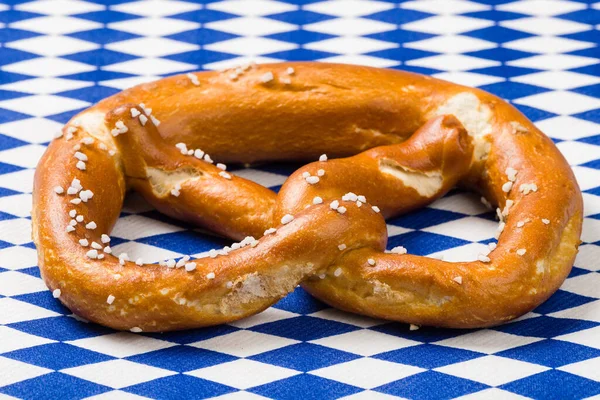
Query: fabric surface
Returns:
{"type": "Point", "coordinates": [60, 56]}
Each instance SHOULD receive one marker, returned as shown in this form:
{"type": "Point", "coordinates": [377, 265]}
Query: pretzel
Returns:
{"type": "Point", "coordinates": [386, 142]}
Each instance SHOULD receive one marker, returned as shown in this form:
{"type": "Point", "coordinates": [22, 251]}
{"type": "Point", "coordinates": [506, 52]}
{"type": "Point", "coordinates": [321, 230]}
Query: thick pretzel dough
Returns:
{"type": "Point", "coordinates": [424, 136]}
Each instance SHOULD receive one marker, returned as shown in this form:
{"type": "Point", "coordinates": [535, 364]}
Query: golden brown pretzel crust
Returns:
{"type": "Point", "coordinates": [431, 135]}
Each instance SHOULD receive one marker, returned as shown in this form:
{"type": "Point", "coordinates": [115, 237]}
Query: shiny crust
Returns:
{"type": "Point", "coordinates": [408, 139]}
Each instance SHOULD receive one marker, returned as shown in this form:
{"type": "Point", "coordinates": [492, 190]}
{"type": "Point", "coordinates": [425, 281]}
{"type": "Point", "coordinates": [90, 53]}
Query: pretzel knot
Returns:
{"type": "Point", "coordinates": [395, 140]}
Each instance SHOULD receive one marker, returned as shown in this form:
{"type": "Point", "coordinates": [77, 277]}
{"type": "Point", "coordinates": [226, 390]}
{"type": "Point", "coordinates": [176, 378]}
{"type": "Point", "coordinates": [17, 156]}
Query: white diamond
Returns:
{"type": "Point", "coordinates": [134, 227]}
{"type": "Point", "coordinates": [468, 252]}
{"type": "Point", "coordinates": [12, 311]}
{"type": "Point", "coordinates": [12, 339]}
{"type": "Point", "coordinates": [156, 8]}
{"type": "Point", "coordinates": [470, 228]}
{"type": "Point", "coordinates": [587, 257]}
{"type": "Point", "coordinates": [348, 8]}
{"type": "Point", "coordinates": [545, 26]}
{"type": "Point", "coordinates": [19, 205]}
{"type": "Point", "coordinates": [547, 44]}
{"type": "Point", "coordinates": [253, 8]}
{"type": "Point", "coordinates": [52, 45]}
{"type": "Point", "coordinates": [361, 60]}
{"type": "Point", "coordinates": [117, 373]}
{"type": "Point", "coordinates": [541, 7]}
{"type": "Point", "coordinates": [575, 152]}
{"type": "Point", "coordinates": [556, 61]}
{"type": "Point", "coordinates": [333, 314]}
{"type": "Point", "coordinates": [365, 342]}
{"type": "Point", "coordinates": [269, 315]}
{"type": "Point", "coordinates": [568, 128]}
{"type": "Point", "coordinates": [48, 67]}
{"type": "Point", "coordinates": [56, 25]}
{"type": "Point", "coordinates": [587, 178]}
{"type": "Point", "coordinates": [17, 257]}
{"type": "Point", "coordinates": [350, 26]}
{"type": "Point", "coordinates": [243, 374]}
{"type": "Point", "coordinates": [23, 156]}
{"type": "Point", "coordinates": [367, 373]}
{"type": "Point", "coordinates": [492, 370]}
{"type": "Point", "coordinates": [350, 45]}
{"type": "Point", "coordinates": [250, 46]}
{"type": "Point", "coordinates": [121, 344]}
{"type": "Point", "coordinates": [150, 66]}
{"type": "Point", "coordinates": [151, 47]}
{"type": "Point", "coordinates": [588, 369]}
{"type": "Point", "coordinates": [15, 231]}
{"type": "Point", "coordinates": [17, 371]}
{"type": "Point", "coordinates": [251, 26]}
{"type": "Point", "coordinates": [560, 102]}
{"type": "Point", "coordinates": [154, 26]}
{"type": "Point", "coordinates": [451, 44]}
{"type": "Point", "coordinates": [42, 105]}
{"type": "Point", "coordinates": [13, 283]}
{"type": "Point", "coordinates": [453, 62]}
{"type": "Point", "coordinates": [244, 343]}
{"type": "Point", "coordinates": [447, 24]}
{"type": "Point", "coordinates": [586, 337]}
{"type": "Point", "coordinates": [59, 7]}
{"type": "Point", "coordinates": [21, 181]}
{"type": "Point", "coordinates": [487, 341]}
{"type": "Point", "coordinates": [444, 6]}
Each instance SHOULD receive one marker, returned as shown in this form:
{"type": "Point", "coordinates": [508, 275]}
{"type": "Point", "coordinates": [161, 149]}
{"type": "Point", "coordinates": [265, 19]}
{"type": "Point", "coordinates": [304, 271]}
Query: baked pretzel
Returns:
{"type": "Point", "coordinates": [407, 140]}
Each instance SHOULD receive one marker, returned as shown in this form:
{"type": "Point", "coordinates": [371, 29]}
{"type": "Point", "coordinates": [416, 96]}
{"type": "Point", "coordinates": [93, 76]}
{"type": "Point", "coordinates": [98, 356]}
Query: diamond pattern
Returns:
{"type": "Point", "coordinates": [59, 56]}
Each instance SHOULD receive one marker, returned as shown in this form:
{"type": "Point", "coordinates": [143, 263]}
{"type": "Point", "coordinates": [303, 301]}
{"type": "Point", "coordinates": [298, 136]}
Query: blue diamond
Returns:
{"type": "Point", "coordinates": [100, 57]}
{"type": "Point", "coordinates": [545, 327]}
{"type": "Point", "coordinates": [398, 16]}
{"type": "Point", "coordinates": [103, 36]}
{"type": "Point", "coordinates": [304, 357]}
{"type": "Point", "coordinates": [107, 16]}
{"type": "Point", "coordinates": [551, 353]}
{"type": "Point", "coordinates": [428, 356]}
{"type": "Point", "coordinates": [300, 302]}
{"type": "Point", "coordinates": [54, 386]}
{"type": "Point", "coordinates": [179, 387]}
{"type": "Point", "coordinates": [304, 328]}
{"type": "Point", "coordinates": [425, 334]}
{"type": "Point", "coordinates": [431, 385]}
{"type": "Point", "coordinates": [425, 218]}
{"type": "Point", "coordinates": [61, 328]}
{"type": "Point", "coordinates": [300, 17]}
{"type": "Point", "coordinates": [300, 36]}
{"type": "Point", "coordinates": [57, 356]}
{"type": "Point", "coordinates": [305, 387]}
{"type": "Point", "coordinates": [194, 335]}
{"type": "Point", "coordinates": [182, 358]}
{"type": "Point", "coordinates": [554, 384]}
{"type": "Point", "coordinates": [512, 90]}
{"type": "Point", "coordinates": [561, 300]}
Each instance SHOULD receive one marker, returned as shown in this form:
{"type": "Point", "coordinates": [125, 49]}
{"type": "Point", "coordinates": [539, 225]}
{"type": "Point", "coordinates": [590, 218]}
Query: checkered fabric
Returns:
{"type": "Point", "coordinates": [60, 56]}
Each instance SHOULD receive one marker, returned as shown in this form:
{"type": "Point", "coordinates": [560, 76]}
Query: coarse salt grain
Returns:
{"type": "Point", "coordinates": [458, 280]}
{"type": "Point", "coordinates": [269, 231]}
{"type": "Point", "coordinates": [321, 172]}
{"type": "Point", "coordinates": [143, 119]}
{"type": "Point", "coordinates": [93, 254]}
{"type": "Point", "coordinates": [105, 238]}
{"type": "Point", "coordinates": [483, 258]}
{"type": "Point", "coordinates": [323, 157]}
{"type": "Point", "coordinates": [290, 71]}
{"type": "Point", "coordinates": [189, 267]}
{"type": "Point", "coordinates": [413, 327]}
{"type": "Point", "coordinates": [342, 246]}
{"type": "Point", "coordinates": [376, 209]}
{"type": "Point", "coordinates": [110, 299]}
{"type": "Point", "coordinates": [91, 225]}
{"type": "Point", "coordinates": [507, 186]}
{"type": "Point", "coordinates": [136, 329]}
{"type": "Point", "coordinates": [399, 250]}
{"type": "Point", "coordinates": [225, 175]}
{"type": "Point", "coordinates": [84, 242]}
{"type": "Point", "coordinates": [266, 77]}
{"type": "Point", "coordinates": [210, 275]}
{"type": "Point", "coordinates": [139, 262]}
{"type": "Point", "coordinates": [341, 209]}
{"type": "Point", "coordinates": [134, 112]}
{"type": "Point", "coordinates": [312, 180]}
{"type": "Point", "coordinates": [545, 221]}
{"type": "Point", "coordinates": [334, 205]}
{"type": "Point", "coordinates": [371, 261]}
{"type": "Point", "coordinates": [337, 272]}
{"type": "Point", "coordinates": [80, 165]}
{"type": "Point", "coordinates": [317, 200]}
{"type": "Point", "coordinates": [56, 293]}
{"type": "Point", "coordinates": [511, 174]}
{"type": "Point", "coordinates": [521, 252]}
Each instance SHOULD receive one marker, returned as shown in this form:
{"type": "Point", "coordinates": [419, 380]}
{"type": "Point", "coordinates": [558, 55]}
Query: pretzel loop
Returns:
{"type": "Point", "coordinates": [396, 141]}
